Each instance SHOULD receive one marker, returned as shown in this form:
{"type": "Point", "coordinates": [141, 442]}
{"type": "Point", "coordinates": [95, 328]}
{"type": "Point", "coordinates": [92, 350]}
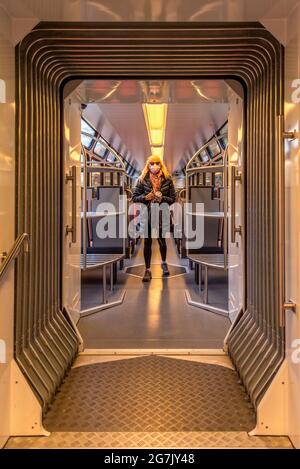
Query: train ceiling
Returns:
{"type": "Point", "coordinates": [196, 109]}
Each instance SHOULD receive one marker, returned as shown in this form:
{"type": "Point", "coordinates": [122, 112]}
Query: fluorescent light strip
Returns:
{"type": "Point", "coordinates": [158, 151]}
{"type": "Point", "coordinates": [155, 117]}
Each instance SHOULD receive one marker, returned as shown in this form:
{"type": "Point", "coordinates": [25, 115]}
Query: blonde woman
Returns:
{"type": "Point", "coordinates": [155, 185]}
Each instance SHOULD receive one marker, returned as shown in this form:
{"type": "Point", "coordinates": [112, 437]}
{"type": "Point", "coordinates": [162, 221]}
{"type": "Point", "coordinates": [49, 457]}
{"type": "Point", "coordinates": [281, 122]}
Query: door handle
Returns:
{"type": "Point", "coordinates": [290, 305]}
{"type": "Point", "coordinates": [234, 177]}
{"type": "Point", "coordinates": [72, 177]}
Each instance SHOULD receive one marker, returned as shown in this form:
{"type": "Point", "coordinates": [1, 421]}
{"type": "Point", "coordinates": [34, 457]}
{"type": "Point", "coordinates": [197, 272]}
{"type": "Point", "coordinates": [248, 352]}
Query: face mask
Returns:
{"type": "Point", "coordinates": [154, 169]}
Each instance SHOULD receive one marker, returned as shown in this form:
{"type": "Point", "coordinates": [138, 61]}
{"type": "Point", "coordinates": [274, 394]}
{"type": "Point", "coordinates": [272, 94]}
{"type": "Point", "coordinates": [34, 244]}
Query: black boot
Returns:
{"type": "Point", "coordinates": [165, 269]}
{"type": "Point", "coordinates": [147, 275]}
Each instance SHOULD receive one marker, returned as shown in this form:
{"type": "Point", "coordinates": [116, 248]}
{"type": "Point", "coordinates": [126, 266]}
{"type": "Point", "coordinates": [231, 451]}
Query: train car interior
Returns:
{"type": "Point", "coordinates": [201, 141]}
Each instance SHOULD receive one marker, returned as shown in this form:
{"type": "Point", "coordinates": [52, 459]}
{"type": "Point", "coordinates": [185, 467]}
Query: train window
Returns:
{"type": "Point", "coordinates": [115, 179]}
{"type": "Point", "coordinates": [203, 156]}
{"type": "Point", "coordinates": [87, 128]}
{"type": "Point", "coordinates": [100, 149]}
{"type": "Point", "coordinates": [129, 169]}
{"type": "Point", "coordinates": [107, 179]}
{"type": "Point", "coordinates": [223, 135]}
{"type": "Point", "coordinates": [110, 158]}
{"type": "Point", "coordinates": [196, 162]}
{"type": "Point", "coordinates": [208, 179]}
{"type": "Point", "coordinates": [218, 179]}
{"type": "Point", "coordinates": [223, 130]}
{"type": "Point", "coordinates": [95, 179]}
{"type": "Point", "coordinates": [223, 141]}
{"type": "Point", "coordinates": [214, 148]}
{"type": "Point", "coordinates": [217, 183]}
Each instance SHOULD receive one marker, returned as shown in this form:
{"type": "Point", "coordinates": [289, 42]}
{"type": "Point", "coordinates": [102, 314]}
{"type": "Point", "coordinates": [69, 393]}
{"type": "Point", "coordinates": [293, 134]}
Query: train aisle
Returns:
{"type": "Point", "coordinates": [153, 315]}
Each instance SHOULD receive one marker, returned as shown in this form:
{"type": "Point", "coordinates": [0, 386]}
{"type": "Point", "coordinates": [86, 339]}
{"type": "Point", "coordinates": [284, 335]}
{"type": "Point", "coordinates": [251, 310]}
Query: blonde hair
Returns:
{"type": "Point", "coordinates": [155, 159]}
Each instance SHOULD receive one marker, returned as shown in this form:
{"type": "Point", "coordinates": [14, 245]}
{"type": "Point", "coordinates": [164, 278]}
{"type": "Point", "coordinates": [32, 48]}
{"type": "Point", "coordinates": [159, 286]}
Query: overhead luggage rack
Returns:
{"type": "Point", "coordinates": [205, 168]}
{"type": "Point", "coordinates": [101, 214]}
{"type": "Point", "coordinates": [98, 260]}
{"type": "Point", "coordinates": [207, 214]}
{"type": "Point", "coordinates": [211, 260]}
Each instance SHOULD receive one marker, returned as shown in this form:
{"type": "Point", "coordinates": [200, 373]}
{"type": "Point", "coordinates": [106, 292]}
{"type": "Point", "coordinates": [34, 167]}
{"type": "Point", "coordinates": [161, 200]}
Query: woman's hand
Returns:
{"type": "Point", "coordinates": [158, 196]}
{"type": "Point", "coordinates": [150, 196]}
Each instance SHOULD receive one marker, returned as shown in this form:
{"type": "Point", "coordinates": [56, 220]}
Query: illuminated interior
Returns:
{"type": "Point", "coordinates": [155, 118]}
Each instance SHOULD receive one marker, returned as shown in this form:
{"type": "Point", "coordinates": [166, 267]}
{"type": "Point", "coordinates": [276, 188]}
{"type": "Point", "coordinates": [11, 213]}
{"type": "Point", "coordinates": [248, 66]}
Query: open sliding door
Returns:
{"type": "Point", "coordinates": [236, 231]}
{"type": "Point", "coordinates": [72, 206]}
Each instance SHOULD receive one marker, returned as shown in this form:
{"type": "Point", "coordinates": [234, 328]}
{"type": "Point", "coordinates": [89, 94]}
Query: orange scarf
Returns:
{"type": "Point", "coordinates": [155, 180]}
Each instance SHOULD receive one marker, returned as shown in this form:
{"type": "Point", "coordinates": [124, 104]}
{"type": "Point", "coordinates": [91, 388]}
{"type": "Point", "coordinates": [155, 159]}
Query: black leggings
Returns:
{"type": "Point", "coordinates": [148, 250]}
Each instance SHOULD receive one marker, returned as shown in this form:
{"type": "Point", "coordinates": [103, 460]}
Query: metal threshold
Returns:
{"type": "Point", "coordinates": [153, 352]}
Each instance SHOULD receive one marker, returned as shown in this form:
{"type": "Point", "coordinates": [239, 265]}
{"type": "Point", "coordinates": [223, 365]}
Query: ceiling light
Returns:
{"type": "Point", "coordinates": [157, 137]}
{"type": "Point", "coordinates": [158, 151]}
{"type": "Point", "coordinates": [155, 117]}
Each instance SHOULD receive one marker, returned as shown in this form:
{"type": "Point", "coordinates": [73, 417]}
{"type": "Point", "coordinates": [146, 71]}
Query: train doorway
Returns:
{"type": "Point", "coordinates": [110, 128]}
{"type": "Point", "coordinates": [246, 52]}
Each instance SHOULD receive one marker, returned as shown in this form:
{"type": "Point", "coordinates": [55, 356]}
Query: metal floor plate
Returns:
{"type": "Point", "coordinates": [150, 402]}
{"type": "Point", "coordinates": [150, 393]}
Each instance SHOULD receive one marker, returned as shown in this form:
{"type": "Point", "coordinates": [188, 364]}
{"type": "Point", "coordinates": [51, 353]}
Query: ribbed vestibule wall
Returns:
{"type": "Point", "coordinates": [53, 52]}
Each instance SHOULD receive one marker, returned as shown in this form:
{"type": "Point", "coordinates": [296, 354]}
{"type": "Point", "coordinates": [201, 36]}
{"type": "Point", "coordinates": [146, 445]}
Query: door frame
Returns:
{"type": "Point", "coordinates": [53, 54]}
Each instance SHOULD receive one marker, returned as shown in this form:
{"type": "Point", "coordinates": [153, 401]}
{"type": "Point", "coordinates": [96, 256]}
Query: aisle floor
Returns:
{"type": "Point", "coordinates": [154, 315]}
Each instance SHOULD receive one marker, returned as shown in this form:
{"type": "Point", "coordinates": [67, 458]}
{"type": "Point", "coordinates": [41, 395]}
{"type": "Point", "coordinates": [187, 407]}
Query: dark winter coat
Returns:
{"type": "Point", "coordinates": [144, 187]}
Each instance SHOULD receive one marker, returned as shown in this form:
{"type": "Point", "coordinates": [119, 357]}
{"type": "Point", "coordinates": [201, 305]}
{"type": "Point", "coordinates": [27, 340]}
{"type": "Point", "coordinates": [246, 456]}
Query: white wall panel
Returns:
{"type": "Point", "coordinates": [292, 168]}
{"type": "Point", "coordinates": [7, 235]}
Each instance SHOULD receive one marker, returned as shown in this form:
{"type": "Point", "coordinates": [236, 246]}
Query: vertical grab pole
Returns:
{"type": "Point", "coordinates": [234, 229]}
{"type": "Point", "coordinates": [104, 284]}
{"type": "Point", "coordinates": [225, 183]}
{"type": "Point", "coordinates": [281, 225]}
{"type": "Point", "coordinates": [281, 135]}
{"type": "Point", "coordinates": [205, 284]}
{"type": "Point", "coordinates": [111, 277]}
{"type": "Point", "coordinates": [124, 213]}
{"type": "Point", "coordinates": [72, 229]}
{"type": "Point", "coordinates": [185, 224]}
{"type": "Point", "coordinates": [84, 240]}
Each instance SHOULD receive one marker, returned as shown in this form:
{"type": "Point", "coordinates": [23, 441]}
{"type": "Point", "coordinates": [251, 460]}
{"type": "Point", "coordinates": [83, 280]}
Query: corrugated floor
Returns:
{"type": "Point", "coordinates": [154, 315]}
{"type": "Point", "coordinates": [150, 401]}
{"type": "Point", "coordinates": [150, 393]}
